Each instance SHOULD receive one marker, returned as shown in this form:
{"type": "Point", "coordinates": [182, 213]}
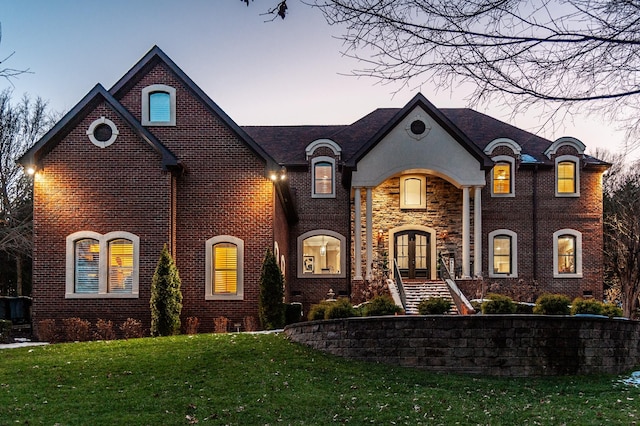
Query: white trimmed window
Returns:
{"type": "Point", "coordinates": [567, 254]}
{"type": "Point", "coordinates": [321, 254]}
{"type": "Point", "coordinates": [324, 177]}
{"type": "Point", "coordinates": [502, 182]}
{"type": "Point", "coordinates": [413, 192]}
{"type": "Point", "coordinates": [224, 273]}
{"type": "Point", "coordinates": [158, 105]}
{"type": "Point", "coordinates": [102, 266]}
{"type": "Point", "coordinates": [503, 253]}
{"type": "Point", "coordinates": [567, 176]}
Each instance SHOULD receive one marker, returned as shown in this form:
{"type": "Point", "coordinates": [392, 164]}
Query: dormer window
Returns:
{"type": "Point", "coordinates": [324, 181]}
{"type": "Point", "coordinates": [502, 176]}
{"type": "Point", "coordinates": [567, 176]}
{"type": "Point", "coordinates": [159, 105]}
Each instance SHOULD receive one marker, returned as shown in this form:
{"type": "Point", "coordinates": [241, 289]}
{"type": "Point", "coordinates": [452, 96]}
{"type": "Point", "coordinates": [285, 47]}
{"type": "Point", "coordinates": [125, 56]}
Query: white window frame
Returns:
{"type": "Point", "coordinates": [103, 265]}
{"type": "Point", "coordinates": [423, 192]}
{"type": "Point", "coordinates": [576, 161]}
{"type": "Point", "coordinates": [145, 119]}
{"type": "Point", "coordinates": [514, 253]}
{"type": "Point", "coordinates": [578, 236]}
{"type": "Point", "coordinates": [208, 293]}
{"type": "Point", "coordinates": [343, 255]}
{"type": "Point", "coordinates": [92, 129]}
{"type": "Point", "coordinates": [512, 163]}
{"type": "Point", "coordinates": [323, 159]}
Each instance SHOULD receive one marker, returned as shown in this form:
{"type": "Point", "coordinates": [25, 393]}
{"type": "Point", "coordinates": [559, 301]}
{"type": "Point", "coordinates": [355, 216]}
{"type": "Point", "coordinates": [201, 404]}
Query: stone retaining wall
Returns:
{"type": "Point", "coordinates": [496, 345]}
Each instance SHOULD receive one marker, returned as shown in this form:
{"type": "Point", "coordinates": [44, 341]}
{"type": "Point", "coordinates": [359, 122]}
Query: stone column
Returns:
{"type": "Point", "coordinates": [477, 231]}
{"type": "Point", "coordinates": [369, 234]}
{"type": "Point", "coordinates": [466, 226]}
{"type": "Point", "coordinates": [358, 235]}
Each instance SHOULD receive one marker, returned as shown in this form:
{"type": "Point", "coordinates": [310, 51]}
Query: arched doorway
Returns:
{"type": "Point", "coordinates": [412, 252]}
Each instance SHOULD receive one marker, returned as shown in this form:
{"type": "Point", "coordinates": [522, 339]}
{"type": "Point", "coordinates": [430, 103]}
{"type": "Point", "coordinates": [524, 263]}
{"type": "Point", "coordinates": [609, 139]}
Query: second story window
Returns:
{"type": "Point", "coordinates": [567, 176]}
{"type": "Point", "coordinates": [324, 185]}
{"type": "Point", "coordinates": [158, 105]}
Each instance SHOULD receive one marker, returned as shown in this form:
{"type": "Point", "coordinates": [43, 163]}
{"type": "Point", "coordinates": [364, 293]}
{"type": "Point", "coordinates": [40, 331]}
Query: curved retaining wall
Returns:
{"type": "Point", "coordinates": [497, 345]}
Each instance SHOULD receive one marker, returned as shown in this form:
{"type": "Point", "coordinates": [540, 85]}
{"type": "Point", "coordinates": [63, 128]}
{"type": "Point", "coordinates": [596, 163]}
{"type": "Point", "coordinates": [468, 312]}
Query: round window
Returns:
{"type": "Point", "coordinates": [418, 127]}
{"type": "Point", "coordinates": [102, 132]}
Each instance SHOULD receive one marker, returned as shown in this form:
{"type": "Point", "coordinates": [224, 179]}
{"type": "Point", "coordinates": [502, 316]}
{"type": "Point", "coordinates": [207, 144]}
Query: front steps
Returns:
{"type": "Point", "coordinates": [418, 290]}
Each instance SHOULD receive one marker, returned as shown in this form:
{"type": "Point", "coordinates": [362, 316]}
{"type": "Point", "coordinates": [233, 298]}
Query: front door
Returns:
{"type": "Point", "coordinates": [412, 254]}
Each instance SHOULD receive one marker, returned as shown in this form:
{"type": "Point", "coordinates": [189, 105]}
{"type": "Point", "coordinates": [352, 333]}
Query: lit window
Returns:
{"type": "Point", "coordinates": [321, 254]}
{"type": "Point", "coordinates": [323, 177]}
{"type": "Point", "coordinates": [87, 266]}
{"type": "Point", "coordinates": [503, 253]}
{"type": "Point", "coordinates": [120, 277]}
{"type": "Point", "coordinates": [502, 178]}
{"type": "Point", "coordinates": [102, 266]}
{"type": "Point", "coordinates": [158, 105]}
{"type": "Point", "coordinates": [567, 254]}
{"type": "Point", "coordinates": [413, 192]}
{"type": "Point", "coordinates": [225, 268]}
{"type": "Point", "coordinates": [224, 274]}
{"type": "Point", "coordinates": [567, 176]}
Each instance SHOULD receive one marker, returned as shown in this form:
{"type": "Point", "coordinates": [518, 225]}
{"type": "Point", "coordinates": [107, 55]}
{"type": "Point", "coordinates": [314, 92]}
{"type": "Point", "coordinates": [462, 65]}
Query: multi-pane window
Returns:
{"type": "Point", "coordinates": [502, 178]}
{"type": "Point", "coordinates": [502, 254]}
{"type": "Point", "coordinates": [566, 254]}
{"type": "Point", "coordinates": [566, 177]}
{"type": "Point", "coordinates": [323, 178]}
{"type": "Point", "coordinates": [102, 265]}
{"type": "Point", "coordinates": [225, 268]}
{"type": "Point", "coordinates": [159, 107]}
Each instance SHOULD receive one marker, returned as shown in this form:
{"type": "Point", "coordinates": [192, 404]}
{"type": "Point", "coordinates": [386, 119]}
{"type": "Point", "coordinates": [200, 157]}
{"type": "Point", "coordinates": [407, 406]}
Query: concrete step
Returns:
{"type": "Point", "coordinates": [417, 291]}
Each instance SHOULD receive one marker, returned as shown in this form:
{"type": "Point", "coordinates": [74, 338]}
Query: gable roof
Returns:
{"type": "Point", "coordinates": [96, 96]}
{"type": "Point", "coordinates": [155, 56]}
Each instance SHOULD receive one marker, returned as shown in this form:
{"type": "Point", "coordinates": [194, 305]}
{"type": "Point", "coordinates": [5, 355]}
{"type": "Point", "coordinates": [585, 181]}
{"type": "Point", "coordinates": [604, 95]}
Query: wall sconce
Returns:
{"type": "Point", "coordinates": [380, 236]}
{"type": "Point", "coordinates": [31, 170]}
{"type": "Point", "coordinates": [278, 175]}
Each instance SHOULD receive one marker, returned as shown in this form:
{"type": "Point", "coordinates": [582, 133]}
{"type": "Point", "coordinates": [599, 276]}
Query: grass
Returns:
{"type": "Point", "coordinates": [258, 379]}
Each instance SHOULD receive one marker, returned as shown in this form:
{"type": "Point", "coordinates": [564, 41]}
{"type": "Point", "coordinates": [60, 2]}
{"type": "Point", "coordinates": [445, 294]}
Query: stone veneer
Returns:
{"type": "Point", "coordinates": [495, 345]}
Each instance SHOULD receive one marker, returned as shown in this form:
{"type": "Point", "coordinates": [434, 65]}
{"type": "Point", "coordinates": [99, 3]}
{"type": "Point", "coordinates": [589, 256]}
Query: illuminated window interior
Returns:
{"type": "Point", "coordinates": [502, 254]}
{"type": "Point", "coordinates": [566, 254]}
{"type": "Point", "coordinates": [502, 178]}
{"type": "Point", "coordinates": [321, 255]}
{"type": "Point", "coordinates": [567, 177]}
{"type": "Point", "coordinates": [323, 175]}
{"type": "Point", "coordinates": [87, 266]}
{"type": "Point", "coordinates": [225, 268]}
{"type": "Point", "coordinates": [120, 274]}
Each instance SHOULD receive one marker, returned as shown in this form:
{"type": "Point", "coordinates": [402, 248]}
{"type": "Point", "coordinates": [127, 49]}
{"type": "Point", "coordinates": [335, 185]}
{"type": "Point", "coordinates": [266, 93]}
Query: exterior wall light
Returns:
{"type": "Point", "coordinates": [31, 170]}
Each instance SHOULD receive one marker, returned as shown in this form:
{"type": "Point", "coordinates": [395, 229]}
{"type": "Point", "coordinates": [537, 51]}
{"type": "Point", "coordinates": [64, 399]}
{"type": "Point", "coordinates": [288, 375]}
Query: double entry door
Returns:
{"type": "Point", "coordinates": [412, 253]}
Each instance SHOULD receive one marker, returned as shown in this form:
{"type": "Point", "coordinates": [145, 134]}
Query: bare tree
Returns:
{"type": "Point", "coordinates": [622, 231]}
{"type": "Point", "coordinates": [5, 72]}
{"type": "Point", "coordinates": [562, 55]}
{"type": "Point", "coordinates": [20, 126]}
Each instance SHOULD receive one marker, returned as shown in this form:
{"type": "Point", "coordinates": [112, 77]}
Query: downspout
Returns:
{"type": "Point", "coordinates": [535, 222]}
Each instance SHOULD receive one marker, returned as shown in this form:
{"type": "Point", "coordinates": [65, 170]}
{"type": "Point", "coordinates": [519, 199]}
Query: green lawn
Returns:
{"type": "Point", "coordinates": [259, 379]}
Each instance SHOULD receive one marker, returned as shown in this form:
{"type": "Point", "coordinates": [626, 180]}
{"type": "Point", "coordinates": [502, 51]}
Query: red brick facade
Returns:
{"type": "Point", "coordinates": [206, 177]}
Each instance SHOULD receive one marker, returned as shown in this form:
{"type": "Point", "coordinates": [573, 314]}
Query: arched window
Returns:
{"type": "Point", "coordinates": [159, 105]}
{"type": "Point", "coordinates": [567, 176]}
{"type": "Point", "coordinates": [321, 253]}
{"type": "Point", "coordinates": [567, 254]}
{"type": "Point", "coordinates": [503, 253]}
{"type": "Point", "coordinates": [102, 266]}
{"type": "Point", "coordinates": [324, 185]}
{"type": "Point", "coordinates": [225, 268]}
{"type": "Point", "coordinates": [413, 192]}
{"type": "Point", "coordinates": [502, 177]}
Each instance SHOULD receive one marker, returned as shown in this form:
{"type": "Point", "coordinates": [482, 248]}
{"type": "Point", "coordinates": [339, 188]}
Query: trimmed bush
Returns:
{"type": "Point", "coordinates": [523, 308]}
{"type": "Point", "coordinates": [552, 304]}
{"type": "Point", "coordinates": [76, 329]}
{"type": "Point", "coordinates": [47, 331]}
{"type": "Point", "coordinates": [5, 331]}
{"type": "Point", "coordinates": [318, 311]}
{"type": "Point", "coordinates": [380, 305]}
{"type": "Point", "coordinates": [131, 328]}
{"type": "Point", "coordinates": [611, 310]}
{"type": "Point", "coordinates": [341, 308]}
{"type": "Point", "coordinates": [192, 325]}
{"type": "Point", "coordinates": [498, 304]}
{"type": "Point", "coordinates": [166, 297]}
{"type": "Point", "coordinates": [104, 330]}
{"type": "Point", "coordinates": [271, 309]}
{"type": "Point", "coordinates": [586, 306]}
{"type": "Point", "coordinates": [434, 306]}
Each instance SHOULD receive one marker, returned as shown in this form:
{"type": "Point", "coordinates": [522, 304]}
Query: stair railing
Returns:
{"type": "Point", "coordinates": [398, 279]}
{"type": "Point", "coordinates": [462, 303]}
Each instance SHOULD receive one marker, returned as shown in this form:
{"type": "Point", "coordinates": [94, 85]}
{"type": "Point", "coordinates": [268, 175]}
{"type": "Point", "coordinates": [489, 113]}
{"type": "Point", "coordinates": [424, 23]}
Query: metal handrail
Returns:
{"type": "Point", "coordinates": [398, 278]}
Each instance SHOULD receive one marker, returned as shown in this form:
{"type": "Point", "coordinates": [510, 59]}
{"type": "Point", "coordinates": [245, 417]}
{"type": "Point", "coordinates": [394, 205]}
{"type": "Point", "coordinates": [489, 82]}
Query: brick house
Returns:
{"type": "Point", "coordinates": [155, 161]}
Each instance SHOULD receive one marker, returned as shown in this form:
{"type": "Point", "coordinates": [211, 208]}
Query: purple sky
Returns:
{"type": "Point", "coordinates": [282, 72]}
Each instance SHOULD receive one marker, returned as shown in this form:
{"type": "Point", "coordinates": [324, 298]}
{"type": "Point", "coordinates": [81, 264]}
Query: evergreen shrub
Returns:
{"type": "Point", "coordinates": [380, 305]}
{"type": "Point", "coordinates": [586, 306]}
{"type": "Point", "coordinates": [271, 308]}
{"type": "Point", "coordinates": [498, 304]}
{"type": "Point", "coordinates": [434, 306]}
{"type": "Point", "coordinates": [552, 304]}
{"type": "Point", "coordinates": [341, 308]}
{"type": "Point", "coordinates": [166, 297]}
